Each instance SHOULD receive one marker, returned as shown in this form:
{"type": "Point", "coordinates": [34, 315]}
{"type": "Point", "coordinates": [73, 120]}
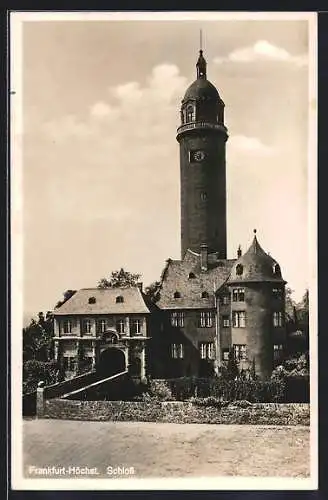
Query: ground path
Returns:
{"type": "Point", "coordinates": [168, 450]}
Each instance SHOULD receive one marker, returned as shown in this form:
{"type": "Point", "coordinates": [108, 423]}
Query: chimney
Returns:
{"type": "Point", "coordinates": [139, 285]}
{"type": "Point", "coordinates": [203, 257]}
{"type": "Point", "coordinates": [239, 252]}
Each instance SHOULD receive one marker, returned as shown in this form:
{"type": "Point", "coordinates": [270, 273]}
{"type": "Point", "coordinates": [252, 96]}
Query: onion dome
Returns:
{"type": "Point", "coordinates": [255, 266]}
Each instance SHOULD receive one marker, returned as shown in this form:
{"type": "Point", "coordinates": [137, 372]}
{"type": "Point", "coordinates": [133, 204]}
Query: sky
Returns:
{"type": "Point", "coordinates": [100, 159]}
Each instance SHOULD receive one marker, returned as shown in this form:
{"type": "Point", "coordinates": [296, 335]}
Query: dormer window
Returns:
{"type": "Point", "coordinates": [191, 276]}
{"type": "Point", "coordinates": [177, 295]}
{"type": "Point", "coordinates": [276, 269]}
{"type": "Point", "coordinates": [239, 269]}
{"type": "Point", "coordinates": [119, 299]}
{"type": "Point", "coordinates": [92, 300]}
{"type": "Point", "coordinates": [205, 295]}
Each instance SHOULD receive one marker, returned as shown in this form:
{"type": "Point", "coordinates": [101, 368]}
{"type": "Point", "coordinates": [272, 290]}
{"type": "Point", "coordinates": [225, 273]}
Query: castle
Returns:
{"type": "Point", "coordinates": [207, 306]}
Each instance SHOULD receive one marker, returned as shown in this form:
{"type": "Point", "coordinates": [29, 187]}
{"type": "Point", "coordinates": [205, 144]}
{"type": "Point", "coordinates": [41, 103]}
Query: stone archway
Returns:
{"type": "Point", "coordinates": [111, 361]}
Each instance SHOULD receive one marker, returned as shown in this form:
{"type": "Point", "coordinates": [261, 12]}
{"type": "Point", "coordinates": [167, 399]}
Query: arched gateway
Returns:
{"type": "Point", "coordinates": [111, 361]}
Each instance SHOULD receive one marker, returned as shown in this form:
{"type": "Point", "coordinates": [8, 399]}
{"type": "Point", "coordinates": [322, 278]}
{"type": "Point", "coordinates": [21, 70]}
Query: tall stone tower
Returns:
{"type": "Point", "coordinates": [202, 136]}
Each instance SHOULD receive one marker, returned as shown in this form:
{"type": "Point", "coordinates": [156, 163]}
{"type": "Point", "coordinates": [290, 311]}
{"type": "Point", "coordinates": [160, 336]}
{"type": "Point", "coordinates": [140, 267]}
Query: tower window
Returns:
{"type": "Point", "coordinates": [135, 326]}
{"type": "Point", "coordinates": [239, 319]}
{"type": "Point", "coordinates": [225, 299]}
{"type": "Point", "coordinates": [240, 352]}
{"type": "Point", "coordinates": [189, 114]}
{"type": "Point", "coordinates": [119, 299]}
{"type": "Point", "coordinates": [67, 326]}
{"type": "Point", "coordinates": [225, 321]}
{"type": "Point", "coordinates": [177, 351]}
{"type": "Point", "coordinates": [205, 295]}
{"type": "Point", "coordinates": [277, 293]}
{"type": "Point", "coordinates": [177, 295]}
{"type": "Point", "coordinates": [277, 319]}
{"type": "Point", "coordinates": [92, 300]}
{"type": "Point", "coordinates": [277, 351]}
{"type": "Point", "coordinates": [203, 196]}
{"type": "Point", "coordinates": [238, 295]}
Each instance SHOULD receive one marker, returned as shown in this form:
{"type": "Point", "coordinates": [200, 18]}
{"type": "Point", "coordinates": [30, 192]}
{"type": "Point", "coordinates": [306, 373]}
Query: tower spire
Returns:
{"type": "Point", "coordinates": [201, 63]}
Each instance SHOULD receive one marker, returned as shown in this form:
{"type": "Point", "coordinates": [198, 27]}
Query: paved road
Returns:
{"type": "Point", "coordinates": [97, 449]}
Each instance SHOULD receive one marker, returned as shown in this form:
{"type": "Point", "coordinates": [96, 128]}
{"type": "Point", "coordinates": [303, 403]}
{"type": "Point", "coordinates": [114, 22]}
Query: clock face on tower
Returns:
{"type": "Point", "coordinates": [198, 155]}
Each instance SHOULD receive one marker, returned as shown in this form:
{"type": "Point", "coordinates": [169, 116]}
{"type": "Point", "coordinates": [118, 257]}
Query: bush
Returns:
{"type": "Point", "coordinates": [35, 371]}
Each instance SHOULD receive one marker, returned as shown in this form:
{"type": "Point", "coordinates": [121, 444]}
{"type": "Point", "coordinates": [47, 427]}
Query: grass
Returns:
{"type": "Point", "coordinates": [169, 450]}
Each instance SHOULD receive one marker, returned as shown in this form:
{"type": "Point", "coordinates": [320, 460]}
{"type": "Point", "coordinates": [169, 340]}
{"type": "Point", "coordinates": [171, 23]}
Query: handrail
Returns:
{"type": "Point", "coordinates": [94, 384]}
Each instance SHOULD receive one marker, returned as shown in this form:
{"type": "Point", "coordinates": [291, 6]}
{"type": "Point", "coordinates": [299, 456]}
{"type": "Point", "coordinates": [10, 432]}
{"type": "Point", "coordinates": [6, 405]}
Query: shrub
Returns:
{"type": "Point", "coordinates": [35, 371]}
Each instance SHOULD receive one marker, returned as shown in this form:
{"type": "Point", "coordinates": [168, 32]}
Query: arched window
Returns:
{"type": "Point", "coordinates": [239, 269]}
{"type": "Point", "coordinates": [189, 113]}
{"type": "Point", "coordinates": [191, 276]}
{"type": "Point", "coordinates": [177, 295]}
{"type": "Point", "coordinates": [205, 295]}
{"type": "Point", "coordinates": [119, 299]}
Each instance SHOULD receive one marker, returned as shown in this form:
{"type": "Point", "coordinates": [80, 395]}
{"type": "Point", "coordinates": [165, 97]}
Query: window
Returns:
{"type": "Point", "coordinates": [206, 350]}
{"type": "Point", "coordinates": [206, 319]}
{"type": "Point", "coordinates": [69, 363]}
{"type": "Point", "coordinates": [225, 354]}
{"type": "Point", "coordinates": [177, 351]}
{"type": "Point", "coordinates": [239, 269]}
{"type": "Point", "coordinates": [205, 295]}
{"type": "Point", "coordinates": [203, 196]}
{"type": "Point", "coordinates": [119, 299]}
{"type": "Point", "coordinates": [277, 293]}
{"type": "Point", "coordinates": [189, 114]}
{"type": "Point", "coordinates": [277, 319]}
{"type": "Point", "coordinates": [239, 319]}
{"type": "Point", "coordinates": [240, 352]}
{"type": "Point", "coordinates": [225, 299]}
{"type": "Point", "coordinates": [191, 276]}
{"type": "Point", "coordinates": [67, 326]}
{"type": "Point", "coordinates": [86, 326]}
{"type": "Point", "coordinates": [101, 326]}
{"type": "Point", "coordinates": [177, 318]}
{"type": "Point", "coordinates": [92, 300]}
{"type": "Point", "coordinates": [276, 269]}
{"type": "Point", "coordinates": [238, 295]}
{"type": "Point", "coordinates": [120, 325]}
{"type": "Point", "coordinates": [135, 326]}
{"type": "Point", "coordinates": [277, 351]}
{"type": "Point", "coordinates": [225, 321]}
{"type": "Point", "coordinates": [177, 295]}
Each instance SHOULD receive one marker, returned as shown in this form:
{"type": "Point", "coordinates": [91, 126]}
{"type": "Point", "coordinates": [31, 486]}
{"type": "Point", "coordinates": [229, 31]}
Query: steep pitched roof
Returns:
{"type": "Point", "coordinates": [255, 266]}
{"type": "Point", "coordinates": [176, 278]}
{"type": "Point", "coordinates": [105, 302]}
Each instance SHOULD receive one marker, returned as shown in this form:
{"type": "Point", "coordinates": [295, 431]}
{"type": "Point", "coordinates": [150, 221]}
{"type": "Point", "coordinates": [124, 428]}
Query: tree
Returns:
{"type": "Point", "coordinates": [119, 278]}
{"type": "Point", "coordinates": [289, 302]}
{"type": "Point", "coordinates": [152, 292]}
{"type": "Point", "coordinates": [67, 295]}
{"type": "Point", "coordinates": [37, 338]}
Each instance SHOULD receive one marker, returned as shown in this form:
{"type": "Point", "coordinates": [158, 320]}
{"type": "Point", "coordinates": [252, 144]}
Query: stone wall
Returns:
{"type": "Point", "coordinates": [177, 412]}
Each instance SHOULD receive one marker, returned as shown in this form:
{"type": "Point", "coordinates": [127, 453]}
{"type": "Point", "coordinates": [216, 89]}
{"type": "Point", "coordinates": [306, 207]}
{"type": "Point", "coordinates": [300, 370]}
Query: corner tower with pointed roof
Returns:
{"type": "Point", "coordinates": [257, 292]}
{"type": "Point", "coordinates": [202, 136]}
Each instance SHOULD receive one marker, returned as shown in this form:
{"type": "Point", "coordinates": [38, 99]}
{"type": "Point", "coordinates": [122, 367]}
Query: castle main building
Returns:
{"type": "Point", "coordinates": [208, 304]}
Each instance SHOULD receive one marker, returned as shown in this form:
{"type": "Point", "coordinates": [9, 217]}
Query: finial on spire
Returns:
{"type": "Point", "coordinates": [239, 252]}
{"type": "Point", "coordinates": [254, 231]}
{"type": "Point", "coordinates": [201, 63]}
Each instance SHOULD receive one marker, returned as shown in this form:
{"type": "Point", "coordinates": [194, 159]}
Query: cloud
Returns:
{"type": "Point", "coordinates": [262, 50]}
{"type": "Point", "coordinates": [251, 145]}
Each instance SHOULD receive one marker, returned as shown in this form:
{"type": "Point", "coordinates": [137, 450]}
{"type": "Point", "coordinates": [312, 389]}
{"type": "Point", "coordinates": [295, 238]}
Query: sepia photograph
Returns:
{"type": "Point", "coordinates": [163, 250]}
